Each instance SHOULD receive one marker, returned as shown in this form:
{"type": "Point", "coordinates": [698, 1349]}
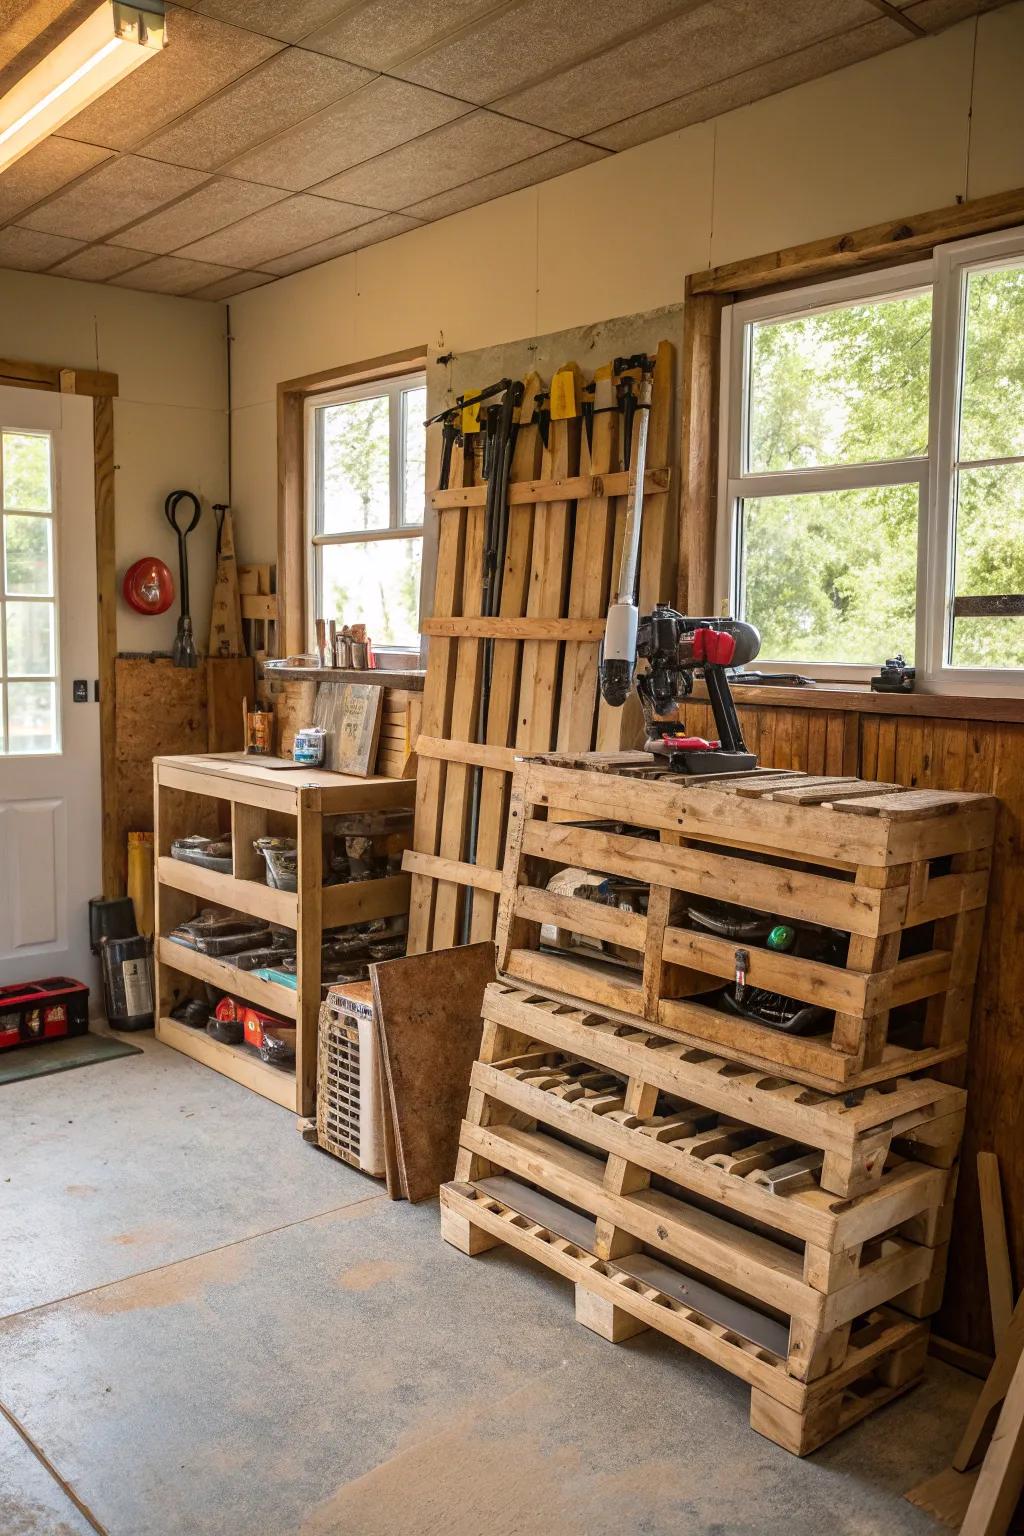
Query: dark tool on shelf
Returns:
{"type": "Point", "coordinates": [894, 677]}
{"type": "Point", "coordinates": [750, 929]}
{"type": "Point", "coordinates": [183, 652]}
{"type": "Point", "coordinates": [676, 649]}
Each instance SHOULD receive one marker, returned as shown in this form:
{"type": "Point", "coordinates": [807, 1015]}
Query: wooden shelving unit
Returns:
{"type": "Point", "coordinates": [207, 793]}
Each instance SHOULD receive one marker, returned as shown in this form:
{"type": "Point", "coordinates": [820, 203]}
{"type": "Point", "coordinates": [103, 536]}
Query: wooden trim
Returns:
{"type": "Point", "coordinates": [568, 488]}
{"type": "Point", "coordinates": [17, 373]}
{"type": "Point", "coordinates": [698, 503]}
{"type": "Point", "coordinates": [106, 599]}
{"type": "Point", "coordinates": [861, 701]}
{"type": "Point", "coordinates": [888, 243]}
{"type": "Point", "coordinates": [515, 629]}
{"type": "Point", "coordinates": [292, 395]}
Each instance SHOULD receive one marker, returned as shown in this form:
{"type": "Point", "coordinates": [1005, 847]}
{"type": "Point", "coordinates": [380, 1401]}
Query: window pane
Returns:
{"type": "Point", "coordinates": [414, 449]}
{"type": "Point", "coordinates": [28, 555]}
{"type": "Point", "coordinates": [989, 563]}
{"type": "Point", "coordinates": [376, 583]}
{"type": "Point", "coordinates": [32, 717]}
{"type": "Point", "coordinates": [29, 639]}
{"type": "Point", "coordinates": [26, 464]}
{"type": "Point", "coordinates": [832, 576]}
{"type": "Point", "coordinates": [355, 479]}
{"type": "Point", "coordinates": [845, 387]}
{"type": "Point", "coordinates": [992, 409]}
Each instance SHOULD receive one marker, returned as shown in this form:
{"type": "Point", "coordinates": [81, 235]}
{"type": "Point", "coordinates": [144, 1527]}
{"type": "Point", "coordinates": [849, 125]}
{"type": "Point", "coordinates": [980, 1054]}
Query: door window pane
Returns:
{"type": "Point", "coordinates": [989, 562]}
{"type": "Point", "coordinates": [30, 639]}
{"type": "Point", "coordinates": [992, 403]}
{"type": "Point", "coordinates": [32, 717]}
{"type": "Point", "coordinates": [414, 449]}
{"type": "Point", "coordinates": [354, 458]}
{"type": "Point", "coordinates": [847, 386]}
{"type": "Point", "coordinates": [376, 583]}
{"type": "Point", "coordinates": [831, 576]}
{"type": "Point", "coordinates": [26, 471]}
{"type": "Point", "coordinates": [28, 556]}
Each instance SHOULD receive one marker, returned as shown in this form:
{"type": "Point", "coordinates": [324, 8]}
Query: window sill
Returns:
{"type": "Point", "coordinates": [859, 698]}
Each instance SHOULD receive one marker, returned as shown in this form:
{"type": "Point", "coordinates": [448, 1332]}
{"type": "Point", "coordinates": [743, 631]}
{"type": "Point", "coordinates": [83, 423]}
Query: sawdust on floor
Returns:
{"type": "Point", "coordinates": [174, 1285]}
{"type": "Point", "coordinates": [371, 1272]}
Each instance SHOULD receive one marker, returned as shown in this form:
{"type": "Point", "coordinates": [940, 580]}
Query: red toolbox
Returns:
{"type": "Point", "coordinates": [34, 1011]}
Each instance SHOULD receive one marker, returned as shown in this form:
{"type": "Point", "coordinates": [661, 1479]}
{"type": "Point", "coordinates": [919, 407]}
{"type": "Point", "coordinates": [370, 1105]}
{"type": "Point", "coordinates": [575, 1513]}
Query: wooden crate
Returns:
{"type": "Point", "coordinates": [874, 861]}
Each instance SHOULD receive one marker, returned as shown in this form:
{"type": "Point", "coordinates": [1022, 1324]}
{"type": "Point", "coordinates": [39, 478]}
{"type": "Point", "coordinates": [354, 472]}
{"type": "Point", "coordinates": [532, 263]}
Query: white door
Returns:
{"type": "Point", "coordinates": [50, 814]}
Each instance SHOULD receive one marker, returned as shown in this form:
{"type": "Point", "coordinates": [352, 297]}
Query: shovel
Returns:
{"type": "Point", "coordinates": [183, 653]}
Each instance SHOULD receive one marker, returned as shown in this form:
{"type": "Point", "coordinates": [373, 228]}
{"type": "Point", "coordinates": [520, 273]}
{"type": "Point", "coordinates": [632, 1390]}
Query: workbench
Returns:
{"type": "Point", "coordinates": [210, 793]}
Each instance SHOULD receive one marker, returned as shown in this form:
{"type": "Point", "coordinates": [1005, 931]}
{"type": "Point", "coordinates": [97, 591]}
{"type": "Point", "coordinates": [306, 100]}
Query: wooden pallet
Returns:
{"type": "Point", "coordinates": [868, 859]}
{"type": "Point", "coordinates": [619, 1297]}
{"type": "Point", "coordinates": [566, 499]}
{"type": "Point", "coordinates": [856, 1132]}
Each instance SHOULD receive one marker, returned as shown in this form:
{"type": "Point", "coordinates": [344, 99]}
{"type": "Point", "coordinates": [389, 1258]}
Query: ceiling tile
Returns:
{"type": "Point", "coordinates": [172, 274]}
{"type": "Point", "coordinates": [754, 84]}
{"type": "Point", "coordinates": [292, 85]}
{"type": "Point", "coordinates": [116, 194]}
{"type": "Point", "coordinates": [382, 32]}
{"type": "Point", "coordinates": [933, 15]}
{"type": "Point", "coordinates": [553, 162]}
{"type": "Point", "coordinates": [296, 222]}
{"type": "Point", "coordinates": [201, 56]}
{"type": "Point", "coordinates": [286, 19]}
{"type": "Point", "coordinates": [681, 55]}
{"type": "Point", "coordinates": [227, 287]}
{"type": "Point", "coordinates": [528, 41]}
{"type": "Point", "coordinates": [367, 234]}
{"type": "Point", "coordinates": [98, 262]}
{"type": "Point", "coordinates": [378, 117]}
{"type": "Point", "coordinates": [29, 251]}
{"type": "Point", "coordinates": [44, 170]}
{"type": "Point", "coordinates": [437, 161]}
{"type": "Point", "coordinates": [217, 204]}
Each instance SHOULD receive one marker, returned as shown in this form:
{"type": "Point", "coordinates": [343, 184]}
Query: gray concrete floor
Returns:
{"type": "Point", "coordinates": [207, 1326]}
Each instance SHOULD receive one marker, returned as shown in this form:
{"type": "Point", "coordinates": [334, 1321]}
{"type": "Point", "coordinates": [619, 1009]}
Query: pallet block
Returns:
{"type": "Point", "coordinates": [871, 860]}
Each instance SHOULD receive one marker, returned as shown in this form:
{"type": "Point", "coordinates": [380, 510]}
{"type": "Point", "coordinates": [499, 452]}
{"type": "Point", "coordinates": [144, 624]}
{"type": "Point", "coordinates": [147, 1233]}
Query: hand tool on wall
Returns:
{"type": "Point", "coordinates": [183, 652]}
{"type": "Point", "coordinates": [226, 609]}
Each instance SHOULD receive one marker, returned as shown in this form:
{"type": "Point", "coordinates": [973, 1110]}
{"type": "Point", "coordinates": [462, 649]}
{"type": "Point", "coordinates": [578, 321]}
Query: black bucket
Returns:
{"type": "Point", "coordinates": [128, 983]}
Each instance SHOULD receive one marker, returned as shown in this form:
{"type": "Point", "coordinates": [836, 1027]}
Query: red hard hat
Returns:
{"type": "Point", "coordinates": [148, 586]}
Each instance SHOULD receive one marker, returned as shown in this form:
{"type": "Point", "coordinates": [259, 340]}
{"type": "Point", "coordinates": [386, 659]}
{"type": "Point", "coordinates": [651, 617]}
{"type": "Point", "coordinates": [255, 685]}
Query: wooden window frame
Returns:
{"type": "Point", "coordinates": [103, 388]}
{"type": "Point", "coordinates": [292, 558]}
{"type": "Point", "coordinates": [878, 247]}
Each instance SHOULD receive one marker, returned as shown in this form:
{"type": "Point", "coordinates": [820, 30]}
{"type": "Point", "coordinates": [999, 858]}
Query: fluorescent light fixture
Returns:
{"type": "Point", "coordinates": [113, 41]}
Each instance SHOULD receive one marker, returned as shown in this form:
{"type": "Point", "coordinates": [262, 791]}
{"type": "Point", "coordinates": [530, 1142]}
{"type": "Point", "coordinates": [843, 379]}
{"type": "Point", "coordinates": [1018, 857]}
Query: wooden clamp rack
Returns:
{"type": "Point", "coordinates": [700, 1184]}
{"type": "Point", "coordinates": [566, 511]}
{"type": "Point", "coordinates": [206, 794]}
{"type": "Point", "coordinates": [903, 872]}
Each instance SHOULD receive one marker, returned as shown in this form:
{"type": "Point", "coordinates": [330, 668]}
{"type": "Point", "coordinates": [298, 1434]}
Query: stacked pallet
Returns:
{"type": "Point", "coordinates": [566, 509]}
{"type": "Point", "coordinates": [779, 1203]}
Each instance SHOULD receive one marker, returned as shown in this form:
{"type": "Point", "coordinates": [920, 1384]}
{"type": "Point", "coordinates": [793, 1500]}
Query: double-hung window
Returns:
{"type": "Point", "coordinates": [29, 720]}
{"type": "Point", "coordinates": [872, 470]}
{"type": "Point", "coordinates": [365, 501]}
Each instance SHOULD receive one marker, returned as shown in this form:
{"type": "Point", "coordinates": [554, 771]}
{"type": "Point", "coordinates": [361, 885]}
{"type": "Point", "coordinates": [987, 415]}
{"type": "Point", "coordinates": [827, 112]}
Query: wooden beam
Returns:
{"type": "Point", "coordinates": [894, 241]}
{"type": "Point", "coordinates": [291, 529]}
{"type": "Point", "coordinates": [568, 488]}
{"type": "Point", "coordinates": [997, 1253]}
{"type": "Point", "coordinates": [106, 598]}
{"type": "Point", "coordinates": [83, 381]}
{"type": "Point", "coordinates": [698, 502]}
{"type": "Point", "coordinates": [516, 629]}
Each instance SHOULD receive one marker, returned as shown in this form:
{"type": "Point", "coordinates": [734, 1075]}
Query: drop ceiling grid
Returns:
{"type": "Point", "coordinates": [237, 156]}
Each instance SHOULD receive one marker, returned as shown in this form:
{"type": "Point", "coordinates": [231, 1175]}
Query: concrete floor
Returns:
{"type": "Point", "coordinates": [207, 1326]}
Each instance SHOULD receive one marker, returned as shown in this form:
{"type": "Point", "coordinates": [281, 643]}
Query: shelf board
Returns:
{"type": "Point", "coordinates": [229, 978]}
{"type": "Point", "coordinates": [360, 901]}
{"type": "Point", "coordinates": [247, 896]}
{"type": "Point", "coordinates": [239, 1062]}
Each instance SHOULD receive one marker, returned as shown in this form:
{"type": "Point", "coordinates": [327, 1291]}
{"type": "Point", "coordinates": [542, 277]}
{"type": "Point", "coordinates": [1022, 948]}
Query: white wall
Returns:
{"type": "Point", "coordinates": [170, 417]}
{"type": "Point", "coordinates": [882, 139]}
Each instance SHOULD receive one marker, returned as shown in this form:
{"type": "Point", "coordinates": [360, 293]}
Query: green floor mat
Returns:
{"type": "Point", "coordinates": [61, 1056]}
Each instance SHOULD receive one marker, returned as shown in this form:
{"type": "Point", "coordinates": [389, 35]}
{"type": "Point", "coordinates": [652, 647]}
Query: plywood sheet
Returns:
{"type": "Point", "coordinates": [428, 1013]}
